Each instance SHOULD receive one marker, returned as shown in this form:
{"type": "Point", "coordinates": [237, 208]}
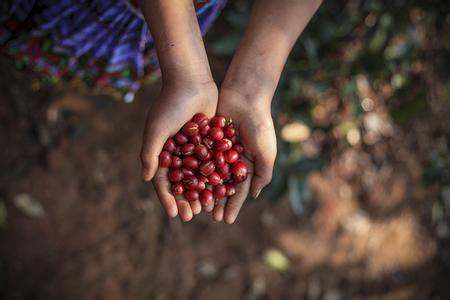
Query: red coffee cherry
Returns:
{"type": "Point", "coordinates": [191, 195]}
{"type": "Point", "coordinates": [190, 182]}
{"type": "Point", "coordinates": [218, 158]}
{"type": "Point", "coordinates": [233, 140]}
{"type": "Point", "coordinates": [239, 171]}
{"type": "Point", "coordinates": [201, 152]}
{"type": "Point", "coordinates": [223, 145]}
{"type": "Point", "coordinates": [204, 130]}
{"type": "Point", "coordinates": [238, 148]}
{"type": "Point", "coordinates": [190, 163]}
{"type": "Point", "coordinates": [218, 121]}
{"type": "Point", "coordinates": [190, 129]}
{"type": "Point", "coordinates": [177, 189]}
{"type": "Point", "coordinates": [224, 171]}
{"type": "Point", "coordinates": [214, 179]}
{"type": "Point", "coordinates": [206, 168]}
{"type": "Point", "coordinates": [206, 198]}
{"type": "Point", "coordinates": [187, 172]}
{"type": "Point", "coordinates": [208, 143]}
{"type": "Point", "coordinates": [201, 186]}
{"type": "Point", "coordinates": [201, 119]}
{"type": "Point", "coordinates": [187, 149]}
{"type": "Point", "coordinates": [176, 162]}
{"type": "Point", "coordinates": [219, 191]}
{"type": "Point", "coordinates": [196, 139]}
{"type": "Point", "coordinates": [215, 134]}
{"type": "Point", "coordinates": [180, 139]}
{"type": "Point", "coordinates": [165, 159]}
{"type": "Point", "coordinates": [170, 145]}
{"type": "Point", "coordinates": [231, 190]}
{"type": "Point", "coordinates": [175, 175]}
{"type": "Point", "coordinates": [229, 131]}
{"type": "Point", "coordinates": [231, 156]}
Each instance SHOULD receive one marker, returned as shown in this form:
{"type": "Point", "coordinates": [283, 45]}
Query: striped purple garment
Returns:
{"type": "Point", "coordinates": [106, 43]}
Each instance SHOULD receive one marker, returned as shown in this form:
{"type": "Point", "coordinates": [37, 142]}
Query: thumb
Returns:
{"type": "Point", "coordinates": [152, 144]}
{"type": "Point", "coordinates": [262, 173]}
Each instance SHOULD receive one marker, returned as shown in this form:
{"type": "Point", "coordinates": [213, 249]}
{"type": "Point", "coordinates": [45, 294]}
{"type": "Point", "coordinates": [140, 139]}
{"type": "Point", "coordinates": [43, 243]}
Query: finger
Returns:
{"type": "Point", "coordinates": [184, 210]}
{"type": "Point", "coordinates": [196, 207]}
{"type": "Point", "coordinates": [152, 144]}
{"type": "Point", "coordinates": [218, 210]}
{"type": "Point", "coordinates": [162, 187]}
{"type": "Point", "coordinates": [208, 208]}
{"type": "Point", "coordinates": [262, 173]}
{"type": "Point", "coordinates": [236, 201]}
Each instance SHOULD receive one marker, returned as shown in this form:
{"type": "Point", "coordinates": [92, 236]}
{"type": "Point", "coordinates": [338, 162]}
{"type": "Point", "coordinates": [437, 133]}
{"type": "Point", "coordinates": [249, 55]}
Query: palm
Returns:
{"type": "Point", "coordinates": [257, 135]}
{"type": "Point", "coordinates": [174, 107]}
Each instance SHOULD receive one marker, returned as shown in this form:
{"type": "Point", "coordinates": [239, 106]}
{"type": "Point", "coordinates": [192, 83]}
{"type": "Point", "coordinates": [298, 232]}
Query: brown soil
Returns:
{"type": "Point", "coordinates": [103, 234]}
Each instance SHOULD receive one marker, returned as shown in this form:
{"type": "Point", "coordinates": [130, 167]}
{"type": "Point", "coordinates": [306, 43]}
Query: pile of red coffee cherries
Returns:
{"type": "Point", "coordinates": [203, 159]}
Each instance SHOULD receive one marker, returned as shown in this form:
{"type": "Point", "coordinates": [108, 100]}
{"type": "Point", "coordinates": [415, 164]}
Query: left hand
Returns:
{"type": "Point", "coordinates": [253, 121]}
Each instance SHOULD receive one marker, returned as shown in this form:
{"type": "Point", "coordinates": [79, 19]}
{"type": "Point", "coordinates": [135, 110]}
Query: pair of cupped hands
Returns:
{"type": "Point", "coordinates": [251, 114]}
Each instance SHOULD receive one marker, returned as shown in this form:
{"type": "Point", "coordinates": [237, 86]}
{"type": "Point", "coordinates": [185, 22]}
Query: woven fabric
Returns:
{"type": "Point", "coordinates": [104, 43]}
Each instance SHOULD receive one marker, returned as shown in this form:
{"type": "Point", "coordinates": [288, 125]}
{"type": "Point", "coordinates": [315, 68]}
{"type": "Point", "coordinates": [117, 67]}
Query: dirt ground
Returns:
{"type": "Point", "coordinates": [81, 224]}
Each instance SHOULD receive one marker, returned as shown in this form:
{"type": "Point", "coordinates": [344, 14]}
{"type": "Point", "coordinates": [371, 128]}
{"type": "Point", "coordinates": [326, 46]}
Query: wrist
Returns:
{"type": "Point", "coordinates": [192, 86]}
{"type": "Point", "coordinates": [251, 87]}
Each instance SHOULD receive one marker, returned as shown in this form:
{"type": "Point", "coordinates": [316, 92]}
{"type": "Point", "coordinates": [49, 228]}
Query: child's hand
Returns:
{"type": "Point", "coordinates": [252, 118]}
{"type": "Point", "coordinates": [176, 105]}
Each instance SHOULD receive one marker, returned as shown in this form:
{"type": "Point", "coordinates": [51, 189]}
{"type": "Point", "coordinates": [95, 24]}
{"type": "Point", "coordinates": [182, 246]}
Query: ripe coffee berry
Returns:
{"type": "Point", "coordinates": [170, 146]}
{"type": "Point", "coordinates": [218, 159]}
{"type": "Point", "coordinates": [204, 130]}
{"type": "Point", "coordinates": [223, 145]}
{"type": "Point", "coordinates": [238, 148]}
{"type": "Point", "coordinates": [177, 189]}
{"type": "Point", "coordinates": [190, 129]}
{"type": "Point", "coordinates": [190, 163]}
{"type": "Point", "coordinates": [218, 121]}
{"type": "Point", "coordinates": [239, 171]}
{"type": "Point", "coordinates": [201, 152]}
{"type": "Point", "coordinates": [190, 182]}
{"type": "Point", "coordinates": [191, 195]}
{"type": "Point", "coordinates": [231, 190]}
{"type": "Point", "coordinates": [219, 191]}
{"type": "Point", "coordinates": [196, 139]}
{"type": "Point", "coordinates": [204, 159]}
{"type": "Point", "coordinates": [201, 119]}
{"type": "Point", "coordinates": [224, 171]}
{"type": "Point", "coordinates": [229, 131]}
{"type": "Point", "coordinates": [208, 143]}
{"type": "Point", "coordinates": [201, 185]}
{"type": "Point", "coordinates": [206, 198]}
{"type": "Point", "coordinates": [187, 172]}
{"type": "Point", "coordinates": [214, 178]}
{"type": "Point", "coordinates": [207, 167]}
{"type": "Point", "coordinates": [175, 175]}
{"type": "Point", "coordinates": [231, 156]}
{"type": "Point", "coordinates": [165, 159]}
{"type": "Point", "coordinates": [180, 138]}
{"type": "Point", "coordinates": [176, 162]}
{"type": "Point", "coordinates": [215, 134]}
{"type": "Point", "coordinates": [187, 149]}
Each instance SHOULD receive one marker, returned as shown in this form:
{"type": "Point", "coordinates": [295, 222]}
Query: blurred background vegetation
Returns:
{"type": "Point", "coordinates": [359, 207]}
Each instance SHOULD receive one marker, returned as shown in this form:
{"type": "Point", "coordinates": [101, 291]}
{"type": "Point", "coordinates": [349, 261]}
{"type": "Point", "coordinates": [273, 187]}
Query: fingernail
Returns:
{"type": "Point", "coordinates": [256, 194]}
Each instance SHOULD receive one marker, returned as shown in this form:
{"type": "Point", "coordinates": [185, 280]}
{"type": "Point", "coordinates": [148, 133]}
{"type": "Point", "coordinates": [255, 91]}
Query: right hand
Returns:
{"type": "Point", "coordinates": [175, 106]}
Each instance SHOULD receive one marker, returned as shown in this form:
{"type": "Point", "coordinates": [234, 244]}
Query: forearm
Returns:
{"type": "Point", "coordinates": [272, 31]}
{"type": "Point", "coordinates": [178, 40]}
